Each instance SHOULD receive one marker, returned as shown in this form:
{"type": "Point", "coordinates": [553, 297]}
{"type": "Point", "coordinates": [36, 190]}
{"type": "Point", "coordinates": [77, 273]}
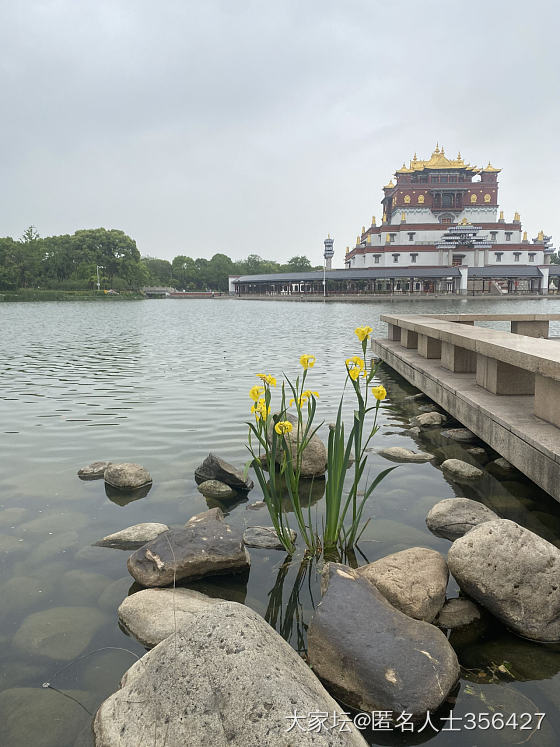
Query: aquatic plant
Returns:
{"type": "Point", "coordinates": [277, 444]}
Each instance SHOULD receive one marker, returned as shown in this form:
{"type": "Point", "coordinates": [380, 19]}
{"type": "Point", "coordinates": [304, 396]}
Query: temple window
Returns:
{"type": "Point", "coordinates": [435, 179]}
{"type": "Point", "coordinates": [392, 237]}
{"type": "Point", "coordinates": [453, 179]}
{"type": "Point", "coordinates": [376, 258]}
{"type": "Point", "coordinates": [498, 256]}
{"type": "Point", "coordinates": [516, 256]}
{"type": "Point", "coordinates": [493, 236]}
{"type": "Point", "coordinates": [396, 257]}
{"type": "Point", "coordinates": [413, 258]}
{"type": "Point", "coordinates": [411, 236]}
{"type": "Point", "coordinates": [531, 256]}
{"type": "Point", "coordinates": [508, 235]}
{"type": "Point", "coordinates": [457, 260]}
{"type": "Point", "coordinates": [448, 200]}
{"type": "Point", "coordinates": [444, 179]}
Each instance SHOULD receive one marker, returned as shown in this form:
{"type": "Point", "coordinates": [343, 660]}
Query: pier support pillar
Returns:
{"type": "Point", "coordinates": [531, 329]}
{"type": "Point", "coordinates": [409, 339]}
{"type": "Point", "coordinates": [394, 332]}
{"type": "Point", "coordinates": [456, 359]}
{"type": "Point", "coordinates": [547, 399]}
{"type": "Point", "coordinates": [503, 378]}
{"type": "Point", "coordinates": [429, 347]}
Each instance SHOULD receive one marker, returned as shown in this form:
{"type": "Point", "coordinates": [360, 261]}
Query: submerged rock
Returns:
{"type": "Point", "coordinates": [459, 470]}
{"type": "Point", "coordinates": [217, 490]}
{"type": "Point", "coordinates": [457, 613]}
{"type": "Point", "coordinates": [205, 546]}
{"type": "Point", "coordinates": [454, 517]}
{"type": "Point", "coordinates": [264, 537]}
{"type": "Point", "coordinates": [399, 454]}
{"type": "Point", "coordinates": [463, 435]}
{"type": "Point", "coordinates": [373, 657]}
{"type": "Point", "coordinates": [230, 679]}
{"type": "Point", "coordinates": [60, 633]}
{"type": "Point", "coordinates": [314, 457]}
{"type": "Point", "coordinates": [413, 580]}
{"type": "Point", "coordinates": [215, 468]}
{"type": "Point", "coordinates": [93, 471]}
{"type": "Point", "coordinates": [478, 453]}
{"type": "Point", "coordinates": [127, 476]}
{"type": "Point", "coordinates": [428, 419]}
{"type": "Point", "coordinates": [501, 467]}
{"type": "Point", "coordinates": [154, 614]}
{"type": "Point", "coordinates": [514, 574]}
{"type": "Point", "coordinates": [132, 537]}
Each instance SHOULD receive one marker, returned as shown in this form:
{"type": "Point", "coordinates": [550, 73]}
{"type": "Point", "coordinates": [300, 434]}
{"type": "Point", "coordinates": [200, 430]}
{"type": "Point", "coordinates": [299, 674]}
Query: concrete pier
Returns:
{"type": "Point", "coordinates": [503, 386]}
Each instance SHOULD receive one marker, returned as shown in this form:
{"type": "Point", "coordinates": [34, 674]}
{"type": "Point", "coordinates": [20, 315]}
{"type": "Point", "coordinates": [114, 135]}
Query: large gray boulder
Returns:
{"type": "Point", "coordinates": [215, 468]}
{"type": "Point", "coordinates": [373, 657]}
{"type": "Point", "coordinates": [461, 471]}
{"type": "Point", "coordinates": [133, 537]}
{"type": "Point", "coordinates": [154, 614]}
{"type": "Point", "coordinates": [514, 574]}
{"type": "Point", "coordinates": [454, 517]}
{"type": "Point", "coordinates": [127, 476]}
{"type": "Point", "coordinates": [413, 580]}
{"type": "Point", "coordinates": [400, 454]}
{"type": "Point", "coordinates": [228, 681]}
{"type": "Point", "coordinates": [205, 546]}
{"type": "Point", "coordinates": [314, 457]}
{"type": "Point", "coordinates": [264, 538]}
{"type": "Point", "coordinates": [93, 471]}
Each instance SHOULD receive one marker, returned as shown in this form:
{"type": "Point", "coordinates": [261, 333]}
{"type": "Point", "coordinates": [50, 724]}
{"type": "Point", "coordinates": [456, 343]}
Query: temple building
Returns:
{"type": "Point", "coordinates": [428, 203]}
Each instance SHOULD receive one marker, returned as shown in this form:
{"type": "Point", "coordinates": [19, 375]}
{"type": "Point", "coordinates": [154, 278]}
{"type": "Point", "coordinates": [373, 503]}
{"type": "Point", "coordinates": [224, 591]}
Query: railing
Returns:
{"type": "Point", "coordinates": [520, 362]}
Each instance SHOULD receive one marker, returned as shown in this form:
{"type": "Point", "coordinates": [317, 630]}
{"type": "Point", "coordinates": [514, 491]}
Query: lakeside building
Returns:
{"type": "Point", "coordinates": [440, 233]}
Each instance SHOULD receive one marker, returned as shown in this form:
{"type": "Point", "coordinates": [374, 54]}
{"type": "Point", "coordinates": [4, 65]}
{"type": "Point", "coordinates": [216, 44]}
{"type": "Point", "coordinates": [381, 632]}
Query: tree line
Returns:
{"type": "Point", "coordinates": [80, 260]}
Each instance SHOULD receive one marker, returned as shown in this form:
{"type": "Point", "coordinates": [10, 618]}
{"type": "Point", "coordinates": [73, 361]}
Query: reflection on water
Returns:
{"type": "Point", "coordinates": [162, 384]}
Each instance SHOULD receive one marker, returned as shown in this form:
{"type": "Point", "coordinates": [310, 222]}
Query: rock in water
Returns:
{"type": "Point", "coordinates": [314, 457]}
{"type": "Point", "coordinates": [214, 468]}
{"type": "Point", "coordinates": [154, 614]}
{"type": "Point", "coordinates": [373, 657]}
{"type": "Point", "coordinates": [60, 632]}
{"type": "Point", "coordinates": [456, 613]}
{"type": "Point", "coordinates": [463, 435]}
{"type": "Point", "coordinates": [264, 537]}
{"type": "Point", "coordinates": [514, 574]}
{"type": "Point", "coordinates": [133, 537]}
{"type": "Point", "coordinates": [399, 454]}
{"type": "Point", "coordinates": [127, 476]}
{"type": "Point", "coordinates": [93, 471]}
{"type": "Point", "coordinates": [217, 490]}
{"type": "Point", "coordinates": [230, 679]}
{"type": "Point", "coordinates": [459, 470]}
{"type": "Point", "coordinates": [414, 581]}
{"type": "Point", "coordinates": [501, 467]}
{"type": "Point", "coordinates": [428, 419]}
{"type": "Point", "coordinates": [454, 517]}
{"type": "Point", "coordinates": [205, 546]}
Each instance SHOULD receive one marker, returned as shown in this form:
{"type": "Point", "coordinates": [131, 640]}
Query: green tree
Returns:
{"type": "Point", "coordinates": [185, 273]}
{"type": "Point", "coordinates": [298, 264]}
{"type": "Point", "coordinates": [160, 271]}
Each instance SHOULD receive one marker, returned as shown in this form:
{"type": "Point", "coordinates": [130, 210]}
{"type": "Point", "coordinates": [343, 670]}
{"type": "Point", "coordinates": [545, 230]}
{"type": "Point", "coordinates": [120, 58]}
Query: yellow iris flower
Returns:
{"type": "Point", "coordinates": [355, 366]}
{"type": "Point", "coordinates": [379, 392]}
{"type": "Point", "coordinates": [354, 373]}
{"type": "Point", "coordinates": [255, 392]}
{"type": "Point", "coordinates": [363, 333]}
{"type": "Point", "coordinates": [307, 361]}
{"type": "Point", "coordinates": [260, 410]}
{"type": "Point", "coordinates": [268, 379]}
{"type": "Point", "coordinates": [302, 400]}
{"type": "Point", "coordinates": [282, 427]}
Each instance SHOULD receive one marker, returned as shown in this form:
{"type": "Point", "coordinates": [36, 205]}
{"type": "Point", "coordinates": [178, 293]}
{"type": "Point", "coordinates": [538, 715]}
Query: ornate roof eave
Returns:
{"type": "Point", "coordinates": [490, 169]}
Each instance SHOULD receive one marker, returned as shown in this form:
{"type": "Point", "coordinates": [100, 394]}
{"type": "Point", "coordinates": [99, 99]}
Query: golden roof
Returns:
{"type": "Point", "coordinates": [491, 169]}
{"type": "Point", "coordinates": [390, 185]}
{"type": "Point", "coordinates": [439, 160]}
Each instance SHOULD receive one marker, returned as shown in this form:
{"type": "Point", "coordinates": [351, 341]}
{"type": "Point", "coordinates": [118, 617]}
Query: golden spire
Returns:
{"type": "Point", "coordinates": [525, 236]}
{"type": "Point", "coordinates": [516, 217]}
{"type": "Point", "coordinates": [358, 241]}
{"type": "Point", "coordinates": [491, 169]}
{"type": "Point", "coordinates": [347, 249]}
{"type": "Point", "coordinates": [387, 239]}
{"type": "Point", "coordinates": [328, 236]}
{"type": "Point", "coordinates": [373, 221]}
{"type": "Point", "coordinates": [363, 230]}
{"type": "Point", "coordinates": [437, 148]}
{"type": "Point", "coordinates": [501, 215]}
{"type": "Point", "coordinates": [384, 217]}
{"type": "Point", "coordinates": [390, 185]}
{"type": "Point", "coordinates": [403, 217]}
{"type": "Point", "coordinates": [540, 237]}
{"type": "Point", "coordinates": [442, 151]}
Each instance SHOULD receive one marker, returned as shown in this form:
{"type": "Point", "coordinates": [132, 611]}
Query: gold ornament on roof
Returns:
{"type": "Point", "coordinates": [474, 198]}
{"type": "Point", "coordinates": [420, 199]}
{"type": "Point", "coordinates": [517, 217]}
{"type": "Point", "coordinates": [407, 199]}
{"type": "Point", "coordinates": [403, 216]}
{"type": "Point", "coordinates": [487, 197]}
{"type": "Point", "coordinates": [540, 237]}
{"type": "Point", "coordinates": [387, 238]}
{"type": "Point", "coordinates": [464, 222]}
{"type": "Point", "coordinates": [363, 230]}
{"type": "Point", "coordinates": [347, 249]}
{"type": "Point", "coordinates": [358, 241]}
{"type": "Point", "coordinates": [490, 169]}
{"type": "Point", "coordinates": [390, 185]}
{"type": "Point", "coordinates": [525, 236]}
{"type": "Point", "coordinates": [501, 215]}
{"type": "Point", "coordinates": [373, 221]}
{"type": "Point", "coordinates": [384, 217]}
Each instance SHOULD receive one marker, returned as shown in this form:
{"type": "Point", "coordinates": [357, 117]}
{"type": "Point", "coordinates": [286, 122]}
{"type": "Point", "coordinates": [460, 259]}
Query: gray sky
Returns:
{"type": "Point", "coordinates": [260, 126]}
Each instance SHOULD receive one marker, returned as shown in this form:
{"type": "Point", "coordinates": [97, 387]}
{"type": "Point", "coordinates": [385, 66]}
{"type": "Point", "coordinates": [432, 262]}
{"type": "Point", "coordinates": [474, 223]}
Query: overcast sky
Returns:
{"type": "Point", "coordinates": [259, 127]}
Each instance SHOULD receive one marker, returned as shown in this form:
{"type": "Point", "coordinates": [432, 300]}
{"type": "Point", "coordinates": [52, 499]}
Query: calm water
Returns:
{"type": "Point", "coordinates": [162, 383]}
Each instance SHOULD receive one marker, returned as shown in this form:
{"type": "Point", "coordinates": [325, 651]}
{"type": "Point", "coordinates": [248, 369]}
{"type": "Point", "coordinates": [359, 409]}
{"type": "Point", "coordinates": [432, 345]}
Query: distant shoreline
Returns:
{"type": "Point", "coordinates": [396, 298]}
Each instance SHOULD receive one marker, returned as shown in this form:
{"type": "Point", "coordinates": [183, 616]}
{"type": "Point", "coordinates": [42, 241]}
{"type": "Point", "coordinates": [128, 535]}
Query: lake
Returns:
{"type": "Point", "coordinates": [163, 383]}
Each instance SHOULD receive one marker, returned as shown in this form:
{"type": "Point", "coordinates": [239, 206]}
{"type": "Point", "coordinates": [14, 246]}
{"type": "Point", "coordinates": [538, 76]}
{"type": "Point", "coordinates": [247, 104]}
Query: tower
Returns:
{"type": "Point", "coordinates": [329, 252]}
